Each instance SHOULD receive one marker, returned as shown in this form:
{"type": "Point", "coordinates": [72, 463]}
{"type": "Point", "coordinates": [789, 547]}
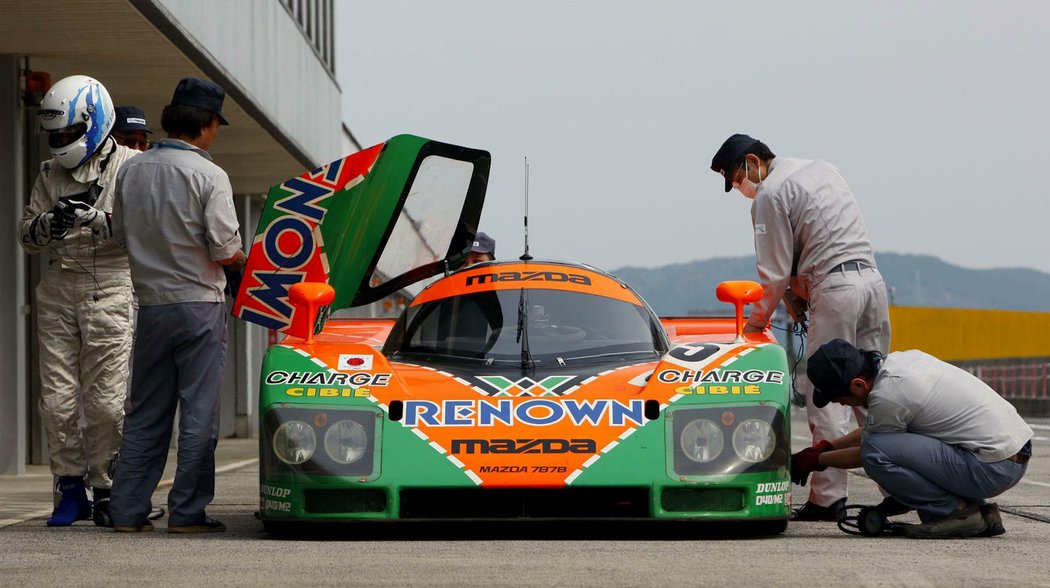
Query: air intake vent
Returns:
{"type": "Point", "coordinates": [345, 501]}
{"type": "Point", "coordinates": [524, 503]}
{"type": "Point", "coordinates": [702, 500]}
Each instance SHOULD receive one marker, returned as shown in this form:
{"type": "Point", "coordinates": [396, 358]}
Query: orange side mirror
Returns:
{"type": "Point", "coordinates": [310, 297]}
{"type": "Point", "coordinates": [739, 293]}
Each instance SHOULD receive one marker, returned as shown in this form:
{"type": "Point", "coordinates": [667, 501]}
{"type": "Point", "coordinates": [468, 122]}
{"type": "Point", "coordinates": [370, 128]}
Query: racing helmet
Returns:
{"type": "Point", "coordinates": [77, 114]}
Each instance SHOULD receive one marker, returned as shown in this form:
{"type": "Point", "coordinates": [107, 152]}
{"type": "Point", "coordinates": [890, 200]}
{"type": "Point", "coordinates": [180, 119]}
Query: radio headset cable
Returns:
{"type": "Point", "coordinates": [796, 330]}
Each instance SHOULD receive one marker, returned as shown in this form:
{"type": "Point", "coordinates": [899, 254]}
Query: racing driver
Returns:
{"type": "Point", "coordinates": [84, 299]}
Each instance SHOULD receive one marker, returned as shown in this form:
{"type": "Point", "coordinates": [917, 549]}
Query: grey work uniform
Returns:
{"type": "Point", "coordinates": [84, 317]}
{"type": "Point", "coordinates": [809, 234]}
{"type": "Point", "coordinates": [174, 212]}
{"type": "Point", "coordinates": [936, 433]}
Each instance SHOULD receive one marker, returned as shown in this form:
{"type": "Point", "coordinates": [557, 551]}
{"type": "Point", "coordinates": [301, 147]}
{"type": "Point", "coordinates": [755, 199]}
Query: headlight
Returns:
{"type": "Point", "coordinates": [753, 440]}
{"type": "Point", "coordinates": [346, 441]}
{"type": "Point", "coordinates": [294, 442]}
{"type": "Point", "coordinates": [702, 440]}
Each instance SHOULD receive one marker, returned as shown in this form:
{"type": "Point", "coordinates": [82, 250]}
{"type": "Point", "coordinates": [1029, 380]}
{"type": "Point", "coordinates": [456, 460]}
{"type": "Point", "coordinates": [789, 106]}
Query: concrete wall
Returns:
{"type": "Point", "coordinates": [14, 413]}
{"type": "Point", "coordinates": [269, 61]}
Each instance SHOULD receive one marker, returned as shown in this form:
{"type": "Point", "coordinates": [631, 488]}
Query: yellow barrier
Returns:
{"type": "Point", "coordinates": [962, 334]}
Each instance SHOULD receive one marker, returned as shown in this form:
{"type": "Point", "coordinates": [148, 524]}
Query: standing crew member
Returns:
{"type": "Point", "coordinates": [84, 299]}
{"type": "Point", "coordinates": [937, 438]}
{"type": "Point", "coordinates": [174, 212]}
{"type": "Point", "coordinates": [130, 129]}
{"type": "Point", "coordinates": [810, 245]}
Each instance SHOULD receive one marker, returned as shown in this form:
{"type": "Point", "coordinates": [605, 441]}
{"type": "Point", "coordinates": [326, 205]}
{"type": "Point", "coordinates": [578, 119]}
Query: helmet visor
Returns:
{"type": "Point", "coordinates": [67, 136]}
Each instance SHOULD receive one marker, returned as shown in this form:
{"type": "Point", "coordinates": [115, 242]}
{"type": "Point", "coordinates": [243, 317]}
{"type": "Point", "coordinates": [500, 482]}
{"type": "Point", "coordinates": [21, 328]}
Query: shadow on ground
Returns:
{"type": "Point", "coordinates": [522, 530]}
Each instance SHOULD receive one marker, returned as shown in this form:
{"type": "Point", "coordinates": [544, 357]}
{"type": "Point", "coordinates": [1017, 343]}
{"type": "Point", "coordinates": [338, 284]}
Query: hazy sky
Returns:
{"type": "Point", "coordinates": [936, 113]}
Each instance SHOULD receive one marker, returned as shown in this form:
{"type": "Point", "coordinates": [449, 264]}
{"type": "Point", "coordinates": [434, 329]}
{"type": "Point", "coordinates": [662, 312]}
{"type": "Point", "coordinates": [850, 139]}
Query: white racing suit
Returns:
{"type": "Point", "coordinates": [84, 308]}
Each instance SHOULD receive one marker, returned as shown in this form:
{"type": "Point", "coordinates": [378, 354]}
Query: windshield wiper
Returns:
{"type": "Point", "coordinates": [523, 333]}
{"type": "Point", "coordinates": [422, 353]}
{"type": "Point", "coordinates": [614, 354]}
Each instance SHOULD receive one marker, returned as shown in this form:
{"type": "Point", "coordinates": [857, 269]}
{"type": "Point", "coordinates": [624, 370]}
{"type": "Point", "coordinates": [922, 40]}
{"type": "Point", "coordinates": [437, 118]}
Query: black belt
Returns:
{"type": "Point", "coordinates": [849, 265]}
{"type": "Point", "coordinates": [1022, 456]}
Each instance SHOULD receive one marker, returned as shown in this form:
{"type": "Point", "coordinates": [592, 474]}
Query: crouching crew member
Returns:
{"type": "Point", "coordinates": [937, 438]}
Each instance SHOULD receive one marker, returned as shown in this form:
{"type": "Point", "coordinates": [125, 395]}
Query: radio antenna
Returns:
{"type": "Point", "coordinates": [526, 256]}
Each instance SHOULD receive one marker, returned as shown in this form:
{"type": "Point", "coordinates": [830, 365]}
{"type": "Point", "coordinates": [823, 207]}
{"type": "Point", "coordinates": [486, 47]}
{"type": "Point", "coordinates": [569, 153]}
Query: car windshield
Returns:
{"type": "Point", "coordinates": [558, 326]}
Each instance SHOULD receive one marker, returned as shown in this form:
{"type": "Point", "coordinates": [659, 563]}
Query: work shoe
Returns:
{"type": "Point", "coordinates": [965, 522]}
{"type": "Point", "coordinates": [73, 506]}
{"type": "Point", "coordinates": [101, 508]}
{"type": "Point", "coordinates": [993, 521]}
{"type": "Point", "coordinates": [146, 527]}
{"type": "Point", "coordinates": [815, 512]}
{"type": "Point", "coordinates": [891, 507]}
{"type": "Point", "coordinates": [209, 525]}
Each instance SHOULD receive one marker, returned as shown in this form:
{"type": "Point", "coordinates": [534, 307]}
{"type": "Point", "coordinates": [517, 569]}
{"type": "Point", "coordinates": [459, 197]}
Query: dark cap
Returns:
{"type": "Point", "coordinates": [831, 368]}
{"type": "Point", "coordinates": [130, 118]}
{"type": "Point", "coordinates": [729, 155]}
{"type": "Point", "coordinates": [203, 94]}
{"type": "Point", "coordinates": [484, 244]}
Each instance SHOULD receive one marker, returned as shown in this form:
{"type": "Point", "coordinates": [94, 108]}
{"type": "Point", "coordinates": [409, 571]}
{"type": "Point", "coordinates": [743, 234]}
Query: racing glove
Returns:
{"type": "Point", "coordinates": [78, 213]}
{"type": "Point", "coordinates": [40, 229]}
{"type": "Point", "coordinates": [807, 461]}
{"type": "Point", "coordinates": [49, 226]}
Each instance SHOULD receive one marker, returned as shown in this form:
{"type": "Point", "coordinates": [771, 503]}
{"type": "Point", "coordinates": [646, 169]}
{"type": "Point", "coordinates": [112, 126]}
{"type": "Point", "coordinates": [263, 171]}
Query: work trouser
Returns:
{"type": "Point", "coordinates": [932, 476]}
{"type": "Point", "coordinates": [84, 331]}
{"type": "Point", "coordinates": [848, 304]}
{"type": "Point", "coordinates": [180, 352]}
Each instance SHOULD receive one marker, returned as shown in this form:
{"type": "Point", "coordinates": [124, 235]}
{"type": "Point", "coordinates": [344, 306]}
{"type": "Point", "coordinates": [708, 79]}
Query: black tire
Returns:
{"type": "Point", "coordinates": [281, 528]}
{"type": "Point", "coordinates": [768, 527]}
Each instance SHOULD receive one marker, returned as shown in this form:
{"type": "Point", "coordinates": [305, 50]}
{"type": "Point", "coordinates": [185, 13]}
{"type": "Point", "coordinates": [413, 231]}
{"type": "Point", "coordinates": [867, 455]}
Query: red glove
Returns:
{"type": "Point", "coordinates": [824, 445]}
{"type": "Point", "coordinates": [807, 461]}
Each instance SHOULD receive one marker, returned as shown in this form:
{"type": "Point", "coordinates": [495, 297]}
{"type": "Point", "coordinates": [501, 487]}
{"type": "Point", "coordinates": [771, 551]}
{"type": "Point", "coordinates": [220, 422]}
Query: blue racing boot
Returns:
{"type": "Point", "coordinates": [73, 506]}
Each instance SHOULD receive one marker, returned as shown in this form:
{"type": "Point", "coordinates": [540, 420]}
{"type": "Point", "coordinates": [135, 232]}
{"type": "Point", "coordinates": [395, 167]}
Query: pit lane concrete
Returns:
{"type": "Point", "coordinates": [807, 554]}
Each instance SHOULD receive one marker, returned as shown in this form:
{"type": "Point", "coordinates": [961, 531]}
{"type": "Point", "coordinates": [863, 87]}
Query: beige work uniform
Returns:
{"type": "Point", "coordinates": [807, 225]}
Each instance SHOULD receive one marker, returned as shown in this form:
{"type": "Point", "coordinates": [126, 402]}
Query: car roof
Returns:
{"type": "Point", "coordinates": [530, 275]}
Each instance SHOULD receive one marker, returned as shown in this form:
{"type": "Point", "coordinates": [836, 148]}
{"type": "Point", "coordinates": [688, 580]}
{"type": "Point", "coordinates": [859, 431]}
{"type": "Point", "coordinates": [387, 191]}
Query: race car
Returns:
{"type": "Point", "coordinates": [506, 390]}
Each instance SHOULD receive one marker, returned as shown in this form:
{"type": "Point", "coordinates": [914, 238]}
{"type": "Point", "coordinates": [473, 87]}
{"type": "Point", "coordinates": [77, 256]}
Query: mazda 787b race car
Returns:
{"type": "Point", "coordinates": [506, 390]}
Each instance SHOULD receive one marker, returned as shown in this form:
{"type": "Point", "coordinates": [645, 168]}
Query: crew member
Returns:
{"type": "Point", "coordinates": [174, 212]}
{"type": "Point", "coordinates": [131, 130]}
{"type": "Point", "coordinates": [483, 249]}
{"type": "Point", "coordinates": [810, 245]}
{"type": "Point", "coordinates": [937, 438]}
{"type": "Point", "coordinates": [84, 299]}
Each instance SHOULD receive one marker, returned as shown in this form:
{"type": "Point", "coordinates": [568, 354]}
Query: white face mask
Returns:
{"type": "Point", "coordinates": [746, 186]}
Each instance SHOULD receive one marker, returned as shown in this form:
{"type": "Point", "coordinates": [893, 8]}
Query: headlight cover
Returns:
{"type": "Point", "coordinates": [702, 440]}
{"type": "Point", "coordinates": [345, 441]}
{"type": "Point", "coordinates": [726, 440]}
{"type": "Point", "coordinates": [321, 440]}
{"type": "Point", "coordinates": [294, 442]}
{"type": "Point", "coordinates": [753, 440]}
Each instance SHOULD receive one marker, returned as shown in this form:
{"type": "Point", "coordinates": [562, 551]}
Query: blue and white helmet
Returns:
{"type": "Point", "coordinates": [77, 114]}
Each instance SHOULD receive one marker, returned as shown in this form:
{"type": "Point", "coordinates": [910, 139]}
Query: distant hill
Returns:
{"type": "Point", "coordinates": [913, 280]}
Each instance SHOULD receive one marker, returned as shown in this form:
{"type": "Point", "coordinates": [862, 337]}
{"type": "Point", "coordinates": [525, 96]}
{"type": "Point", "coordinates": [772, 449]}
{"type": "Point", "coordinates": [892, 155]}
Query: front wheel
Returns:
{"type": "Point", "coordinates": [775, 527]}
{"type": "Point", "coordinates": [281, 528]}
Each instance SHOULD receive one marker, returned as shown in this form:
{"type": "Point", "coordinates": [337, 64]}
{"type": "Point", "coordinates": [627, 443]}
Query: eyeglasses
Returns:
{"type": "Point", "coordinates": [132, 141]}
{"type": "Point", "coordinates": [741, 166]}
